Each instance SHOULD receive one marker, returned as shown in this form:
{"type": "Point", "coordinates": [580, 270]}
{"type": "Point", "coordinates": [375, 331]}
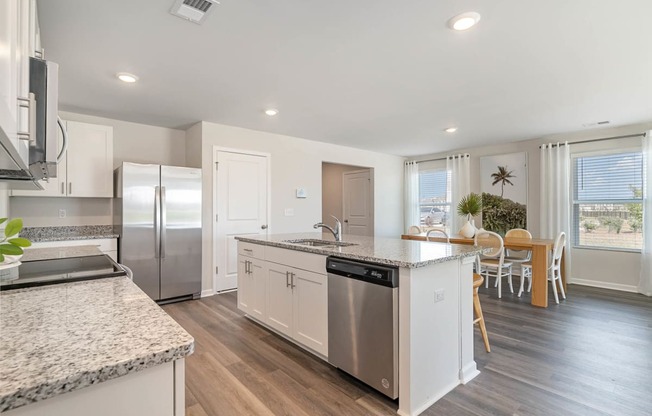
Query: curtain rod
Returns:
{"type": "Point", "coordinates": [599, 140]}
{"type": "Point", "coordinates": [443, 158]}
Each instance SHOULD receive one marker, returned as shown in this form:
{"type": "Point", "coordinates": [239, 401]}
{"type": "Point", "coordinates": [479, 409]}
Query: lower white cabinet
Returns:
{"type": "Point", "coordinates": [108, 246]}
{"type": "Point", "coordinates": [289, 300]}
{"type": "Point", "coordinates": [251, 286]}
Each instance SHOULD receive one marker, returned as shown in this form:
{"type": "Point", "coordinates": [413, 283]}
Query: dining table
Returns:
{"type": "Point", "coordinates": [540, 248]}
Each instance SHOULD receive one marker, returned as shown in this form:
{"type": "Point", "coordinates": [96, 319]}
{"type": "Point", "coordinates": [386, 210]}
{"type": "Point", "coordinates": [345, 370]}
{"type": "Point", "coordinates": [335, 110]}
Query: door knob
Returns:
{"type": "Point", "coordinates": [264, 227]}
{"type": "Point", "coordinates": [346, 221]}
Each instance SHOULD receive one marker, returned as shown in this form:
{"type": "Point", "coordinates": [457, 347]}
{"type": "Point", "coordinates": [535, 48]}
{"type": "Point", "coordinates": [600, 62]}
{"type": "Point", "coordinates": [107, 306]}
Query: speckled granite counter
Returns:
{"type": "Point", "coordinates": [61, 338]}
{"type": "Point", "coordinates": [390, 251]}
{"type": "Point", "coordinates": [33, 254]}
{"type": "Point", "coordinates": [64, 233]}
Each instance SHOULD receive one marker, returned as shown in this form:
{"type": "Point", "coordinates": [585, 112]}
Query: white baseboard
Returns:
{"type": "Point", "coordinates": [469, 372]}
{"type": "Point", "coordinates": [207, 292]}
{"type": "Point", "coordinates": [604, 285]}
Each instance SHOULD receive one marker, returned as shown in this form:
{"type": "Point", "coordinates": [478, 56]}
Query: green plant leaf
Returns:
{"type": "Point", "coordinates": [470, 204]}
{"type": "Point", "coordinates": [13, 227]}
{"type": "Point", "coordinates": [2, 220]}
{"type": "Point", "coordinates": [20, 242]}
{"type": "Point", "coordinates": [10, 249]}
{"type": "Point", "coordinates": [2, 257]}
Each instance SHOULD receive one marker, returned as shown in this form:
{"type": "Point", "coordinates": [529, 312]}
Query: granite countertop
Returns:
{"type": "Point", "coordinates": [61, 338]}
{"type": "Point", "coordinates": [382, 250]}
{"type": "Point", "coordinates": [65, 233]}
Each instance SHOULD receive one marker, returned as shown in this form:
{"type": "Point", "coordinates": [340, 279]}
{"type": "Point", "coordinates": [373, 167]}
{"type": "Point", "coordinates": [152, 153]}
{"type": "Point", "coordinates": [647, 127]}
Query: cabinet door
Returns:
{"type": "Point", "coordinates": [258, 289]}
{"type": "Point", "coordinates": [311, 310]}
{"type": "Point", "coordinates": [279, 298]}
{"type": "Point", "coordinates": [9, 70]}
{"type": "Point", "coordinates": [244, 285]}
{"type": "Point", "coordinates": [90, 160]}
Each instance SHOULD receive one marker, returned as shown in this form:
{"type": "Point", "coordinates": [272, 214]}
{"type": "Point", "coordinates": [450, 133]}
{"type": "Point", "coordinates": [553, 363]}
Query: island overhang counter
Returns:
{"type": "Point", "coordinates": [435, 306]}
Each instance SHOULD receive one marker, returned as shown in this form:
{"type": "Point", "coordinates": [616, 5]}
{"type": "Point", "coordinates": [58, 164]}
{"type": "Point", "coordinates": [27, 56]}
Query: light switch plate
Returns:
{"type": "Point", "coordinates": [289, 212]}
{"type": "Point", "coordinates": [439, 295]}
{"type": "Point", "coordinates": [301, 193]}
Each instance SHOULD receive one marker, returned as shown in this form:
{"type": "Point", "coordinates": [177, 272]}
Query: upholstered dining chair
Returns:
{"type": "Point", "coordinates": [441, 233]}
{"type": "Point", "coordinates": [493, 263]}
{"type": "Point", "coordinates": [554, 268]}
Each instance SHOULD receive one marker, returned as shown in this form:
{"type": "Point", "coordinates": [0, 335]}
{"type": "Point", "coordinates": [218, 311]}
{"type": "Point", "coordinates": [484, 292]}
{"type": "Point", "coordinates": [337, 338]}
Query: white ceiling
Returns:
{"type": "Point", "coordinates": [382, 75]}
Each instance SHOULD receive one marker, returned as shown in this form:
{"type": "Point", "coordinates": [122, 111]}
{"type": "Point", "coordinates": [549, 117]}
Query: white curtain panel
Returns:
{"type": "Point", "coordinates": [459, 169]}
{"type": "Point", "coordinates": [555, 194]}
{"type": "Point", "coordinates": [645, 285]}
{"type": "Point", "coordinates": [411, 195]}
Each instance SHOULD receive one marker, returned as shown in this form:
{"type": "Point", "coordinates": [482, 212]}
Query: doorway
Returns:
{"type": "Point", "coordinates": [241, 207]}
{"type": "Point", "coordinates": [348, 194]}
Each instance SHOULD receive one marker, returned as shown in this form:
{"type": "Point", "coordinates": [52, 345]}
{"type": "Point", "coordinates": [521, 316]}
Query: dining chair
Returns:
{"type": "Point", "coordinates": [414, 229]}
{"type": "Point", "coordinates": [477, 309]}
{"type": "Point", "coordinates": [493, 263]}
{"type": "Point", "coordinates": [442, 232]}
{"type": "Point", "coordinates": [518, 256]}
{"type": "Point", "coordinates": [554, 268]}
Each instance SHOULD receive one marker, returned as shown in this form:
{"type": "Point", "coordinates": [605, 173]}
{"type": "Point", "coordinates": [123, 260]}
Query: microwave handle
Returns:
{"type": "Point", "coordinates": [64, 135]}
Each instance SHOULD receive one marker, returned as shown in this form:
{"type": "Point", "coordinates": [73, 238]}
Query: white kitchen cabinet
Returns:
{"type": "Point", "coordinates": [86, 170]}
{"type": "Point", "coordinates": [108, 246]}
{"type": "Point", "coordinates": [14, 74]}
{"type": "Point", "coordinates": [290, 300]}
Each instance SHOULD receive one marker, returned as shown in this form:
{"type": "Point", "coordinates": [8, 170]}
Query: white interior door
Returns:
{"type": "Point", "coordinates": [241, 209]}
{"type": "Point", "coordinates": [358, 202]}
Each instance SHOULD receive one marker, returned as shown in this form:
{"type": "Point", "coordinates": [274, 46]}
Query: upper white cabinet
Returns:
{"type": "Point", "coordinates": [16, 31]}
{"type": "Point", "coordinates": [86, 170]}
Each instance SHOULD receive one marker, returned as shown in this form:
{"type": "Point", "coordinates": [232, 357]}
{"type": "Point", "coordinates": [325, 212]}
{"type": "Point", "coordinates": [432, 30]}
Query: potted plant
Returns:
{"type": "Point", "coordinates": [11, 247]}
{"type": "Point", "coordinates": [469, 206]}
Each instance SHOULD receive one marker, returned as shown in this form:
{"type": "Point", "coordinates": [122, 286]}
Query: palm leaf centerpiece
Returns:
{"type": "Point", "coordinates": [503, 177]}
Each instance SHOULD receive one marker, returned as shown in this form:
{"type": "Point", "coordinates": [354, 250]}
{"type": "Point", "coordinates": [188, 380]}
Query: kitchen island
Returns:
{"type": "Point", "coordinates": [103, 343]}
{"type": "Point", "coordinates": [282, 284]}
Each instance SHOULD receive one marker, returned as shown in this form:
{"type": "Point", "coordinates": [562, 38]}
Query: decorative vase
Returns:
{"type": "Point", "coordinates": [468, 230]}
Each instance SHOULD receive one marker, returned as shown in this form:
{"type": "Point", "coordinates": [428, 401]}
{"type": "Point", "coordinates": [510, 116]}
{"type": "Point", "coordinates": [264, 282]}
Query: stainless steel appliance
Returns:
{"type": "Point", "coordinates": [41, 158]}
{"type": "Point", "coordinates": [363, 322]}
{"type": "Point", "coordinates": [157, 212]}
{"type": "Point", "coordinates": [65, 270]}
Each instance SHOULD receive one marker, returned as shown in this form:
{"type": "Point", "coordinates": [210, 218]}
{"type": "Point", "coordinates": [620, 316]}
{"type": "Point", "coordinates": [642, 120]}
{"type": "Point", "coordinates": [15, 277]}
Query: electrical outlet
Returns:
{"type": "Point", "coordinates": [289, 212]}
{"type": "Point", "coordinates": [439, 295]}
{"type": "Point", "coordinates": [62, 213]}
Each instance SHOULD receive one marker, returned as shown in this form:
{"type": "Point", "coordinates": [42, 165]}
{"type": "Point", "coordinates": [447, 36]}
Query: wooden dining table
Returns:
{"type": "Point", "coordinates": [540, 260]}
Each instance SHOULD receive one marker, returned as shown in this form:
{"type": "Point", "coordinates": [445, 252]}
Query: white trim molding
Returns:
{"type": "Point", "coordinates": [604, 285]}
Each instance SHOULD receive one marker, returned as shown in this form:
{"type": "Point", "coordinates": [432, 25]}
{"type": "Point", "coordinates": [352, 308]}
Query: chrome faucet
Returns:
{"type": "Point", "coordinates": [337, 232]}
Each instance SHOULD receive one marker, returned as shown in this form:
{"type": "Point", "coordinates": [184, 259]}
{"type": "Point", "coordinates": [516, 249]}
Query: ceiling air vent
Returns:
{"type": "Point", "coordinates": [193, 10]}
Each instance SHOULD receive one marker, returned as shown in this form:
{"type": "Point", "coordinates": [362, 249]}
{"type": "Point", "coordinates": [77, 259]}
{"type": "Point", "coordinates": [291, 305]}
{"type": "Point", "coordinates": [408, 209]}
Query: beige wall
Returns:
{"type": "Point", "coordinates": [611, 269]}
{"type": "Point", "coordinates": [132, 142]}
{"type": "Point", "coordinates": [331, 190]}
{"type": "Point", "coordinates": [296, 163]}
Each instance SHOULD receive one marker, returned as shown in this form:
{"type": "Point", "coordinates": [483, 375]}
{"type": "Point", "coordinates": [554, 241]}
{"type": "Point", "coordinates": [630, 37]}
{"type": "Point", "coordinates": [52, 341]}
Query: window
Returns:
{"type": "Point", "coordinates": [434, 197]}
{"type": "Point", "coordinates": [607, 200]}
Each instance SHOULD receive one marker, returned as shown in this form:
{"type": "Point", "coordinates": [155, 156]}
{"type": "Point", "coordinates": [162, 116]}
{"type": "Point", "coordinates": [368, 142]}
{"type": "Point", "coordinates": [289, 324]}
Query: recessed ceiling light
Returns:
{"type": "Point", "coordinates": [126, 77]}
{"type": "Point", "coordinates": [464, 21]}
{"type": "Point", "coordinates": [451, 130]}
{"type": "Point", "coordinates": [271, 112]}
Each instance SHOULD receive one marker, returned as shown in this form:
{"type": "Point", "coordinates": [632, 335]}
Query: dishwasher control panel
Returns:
{"type": "Point", "coordinates": [368, 272]}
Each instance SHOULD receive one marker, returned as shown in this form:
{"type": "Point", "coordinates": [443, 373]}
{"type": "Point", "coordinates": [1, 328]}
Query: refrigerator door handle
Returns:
{"type": "Point", "coordinates": [164, 222]}
{"type": "Point", "coordinates": [157, 222]}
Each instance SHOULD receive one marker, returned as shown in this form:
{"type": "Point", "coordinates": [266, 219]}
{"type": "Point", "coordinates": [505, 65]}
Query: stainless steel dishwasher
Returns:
{"type": "Point", "coordinates": [363, 322]}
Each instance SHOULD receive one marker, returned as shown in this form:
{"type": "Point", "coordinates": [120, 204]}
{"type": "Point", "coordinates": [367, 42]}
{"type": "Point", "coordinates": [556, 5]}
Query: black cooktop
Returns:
{"type": "Point", "coordinates": [53, 271]}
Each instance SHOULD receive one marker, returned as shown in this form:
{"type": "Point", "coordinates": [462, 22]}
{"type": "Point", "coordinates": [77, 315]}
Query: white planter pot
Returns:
{"type": "Point", "coordinates": [468, 230]}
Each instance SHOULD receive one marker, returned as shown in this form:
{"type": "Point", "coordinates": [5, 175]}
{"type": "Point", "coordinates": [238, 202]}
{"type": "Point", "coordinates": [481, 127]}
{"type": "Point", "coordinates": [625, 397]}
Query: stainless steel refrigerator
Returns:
{"type": "Point", "coordinates": [157, 212]}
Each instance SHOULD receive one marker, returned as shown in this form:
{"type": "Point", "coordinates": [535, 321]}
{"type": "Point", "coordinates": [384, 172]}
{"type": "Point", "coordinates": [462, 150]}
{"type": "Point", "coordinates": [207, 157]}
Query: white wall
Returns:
{"type": "Point", "coordinates": [296, 163]}
{"type": "Point", "coordinates": [132, 142]}
{"type": "Point", "coordinates": [603, 268]}
{"type": "Point", "coordinates": [331, 190]}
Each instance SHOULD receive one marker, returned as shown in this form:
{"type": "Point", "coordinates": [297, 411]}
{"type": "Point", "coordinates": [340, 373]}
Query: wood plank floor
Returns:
{"type": "Point", "coordinates": [590, 355]}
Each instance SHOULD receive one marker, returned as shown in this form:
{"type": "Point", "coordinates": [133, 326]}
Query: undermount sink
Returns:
{"type": "Point", "coordinates": [319, 243]}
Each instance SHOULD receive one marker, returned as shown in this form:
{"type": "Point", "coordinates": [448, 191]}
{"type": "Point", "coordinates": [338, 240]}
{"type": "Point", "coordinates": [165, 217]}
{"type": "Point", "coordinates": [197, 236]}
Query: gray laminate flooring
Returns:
{"type": "Point", "coordinates": [590, 355]}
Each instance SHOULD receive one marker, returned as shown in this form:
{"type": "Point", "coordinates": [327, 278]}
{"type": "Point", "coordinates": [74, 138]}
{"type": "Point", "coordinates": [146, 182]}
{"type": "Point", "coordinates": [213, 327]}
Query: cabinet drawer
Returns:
{"type": "Point", "coordinates": [104, 244]}
{"type": "Point", "coordinates": [251, 250]}
{"type": "Point", "coordinates": [298, 259]}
